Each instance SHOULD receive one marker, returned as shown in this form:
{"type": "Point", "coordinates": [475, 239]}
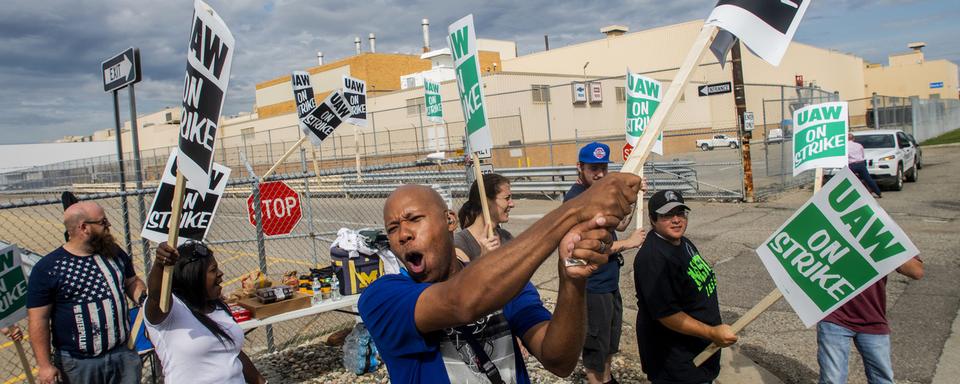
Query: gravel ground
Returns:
{"type": "Point", "coordinates": [317, 363]}
{"type": "Point", "coordinates": [321, 364]}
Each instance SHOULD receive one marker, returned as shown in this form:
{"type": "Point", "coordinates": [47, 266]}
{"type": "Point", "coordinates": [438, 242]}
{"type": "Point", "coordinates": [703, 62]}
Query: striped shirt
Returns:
{"type": "Point", "coordinates": [89, 313]}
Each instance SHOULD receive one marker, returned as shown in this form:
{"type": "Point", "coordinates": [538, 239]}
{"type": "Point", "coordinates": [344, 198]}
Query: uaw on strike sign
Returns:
{"type": "Point", "coordinates": [643, 97]}
{"type": "Point", "coordinates": [13, 287]}
{"type": "Point", "coordinates": [462, 39]}
{"type": "Point", "coordinates": [820, 137]}
{"type": "Point", "coordinates": [198, 207]}
{"type": "Point", "coordinates": [766, 26]}
{"type": "Point", "coordinates": [209, 57]}
{"type": "Point", "coordinates": [318, 121]}
{"type": "Point", "coordinates": [355, 91]}
{"type": "Point", "coordinates": [838, 244]}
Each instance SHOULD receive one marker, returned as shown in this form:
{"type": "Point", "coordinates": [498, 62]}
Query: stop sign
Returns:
{"type": "Point", "coordinates": [280, 206]}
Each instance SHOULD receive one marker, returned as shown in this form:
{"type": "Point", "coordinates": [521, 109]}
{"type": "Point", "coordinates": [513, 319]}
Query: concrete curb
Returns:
{"type": "Point", "coordinates": [948, 145]}
{"type": "Point", "coordinates": [736, 367]}
{"type": "Point", "coordinates": [947, 368]}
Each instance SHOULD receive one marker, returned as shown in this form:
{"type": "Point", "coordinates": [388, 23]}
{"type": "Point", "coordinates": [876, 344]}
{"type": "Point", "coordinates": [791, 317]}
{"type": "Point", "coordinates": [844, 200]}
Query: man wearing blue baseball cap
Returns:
{"type": "Point", "coordinates": [604, 304]}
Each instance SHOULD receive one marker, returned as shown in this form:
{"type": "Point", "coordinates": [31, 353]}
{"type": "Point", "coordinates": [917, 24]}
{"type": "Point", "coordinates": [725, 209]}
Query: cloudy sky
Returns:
{"type": "Point", "coordinates": [51, 50]}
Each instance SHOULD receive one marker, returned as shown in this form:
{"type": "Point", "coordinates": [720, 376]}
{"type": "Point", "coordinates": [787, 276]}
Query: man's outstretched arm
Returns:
{"type": "Point", "coordinates": [493, 280]}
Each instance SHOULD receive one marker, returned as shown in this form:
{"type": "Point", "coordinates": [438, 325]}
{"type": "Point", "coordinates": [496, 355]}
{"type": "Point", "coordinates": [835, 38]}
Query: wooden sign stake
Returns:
{"type": "Point", "coordinates": [284, 157]}
{"type": "Point", "coordinates": [135, 331]}
{"type": "Point", "coordinates": [483, 194]}
{"type": "Point", "coordinates": [742, 322]}
{"type": "Point", "coordinates": [173, 234]}
{"type": "Point", "coordinates": [23, 361]}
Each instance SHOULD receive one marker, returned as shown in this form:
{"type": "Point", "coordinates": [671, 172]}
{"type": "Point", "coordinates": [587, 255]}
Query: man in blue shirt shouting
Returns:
{"type": "Point", "coordinates": [443, 321]}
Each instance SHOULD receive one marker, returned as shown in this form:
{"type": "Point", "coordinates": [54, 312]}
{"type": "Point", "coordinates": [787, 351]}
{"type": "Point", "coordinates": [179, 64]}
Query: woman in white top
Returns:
{"type": "Point", "coordinates": [197, 340]}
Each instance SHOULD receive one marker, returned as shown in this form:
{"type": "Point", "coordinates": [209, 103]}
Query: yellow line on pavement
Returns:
{"type": "Point", "coordinates": [10, 343]}
{"type": "Point", "coordinates": [21, 378]}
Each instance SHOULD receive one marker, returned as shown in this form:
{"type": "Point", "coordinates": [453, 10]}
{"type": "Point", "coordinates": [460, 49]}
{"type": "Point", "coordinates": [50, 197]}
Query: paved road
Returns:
{"type": "Point", "coordinates": [726, 233]}
{"type": "Point", "coordinates": [921, 312]}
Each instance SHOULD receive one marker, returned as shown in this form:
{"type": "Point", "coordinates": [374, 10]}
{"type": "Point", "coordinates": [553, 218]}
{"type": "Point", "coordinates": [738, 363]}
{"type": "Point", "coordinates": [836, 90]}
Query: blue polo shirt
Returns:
{"type": "Point", "coordinates": [387, 308]}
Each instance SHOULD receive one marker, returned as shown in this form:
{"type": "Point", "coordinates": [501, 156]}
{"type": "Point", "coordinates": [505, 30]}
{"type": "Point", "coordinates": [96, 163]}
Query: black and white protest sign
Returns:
{"type": "Point", "coordinates": [327, 116]}
{"type": "Point", "coordinates": [355, 91]}
{"type": "Point", "coordinates": [198, 208]}
{"type": "Point", "coordinates": [302, 93]}
{"type": "Point", "coordinates": [766, 26]}
{"type": "Point", "coordinates": [209, 56]}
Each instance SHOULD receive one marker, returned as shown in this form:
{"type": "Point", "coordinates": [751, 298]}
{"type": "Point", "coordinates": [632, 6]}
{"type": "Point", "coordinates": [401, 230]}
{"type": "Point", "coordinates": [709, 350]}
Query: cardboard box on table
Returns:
{"type": "Point", "coordinates": [260, 310]}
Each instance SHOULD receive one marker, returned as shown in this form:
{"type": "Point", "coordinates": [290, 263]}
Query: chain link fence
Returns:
{"type": "Point", "coordinates": [358, 167]}
{"type": "Point", "coordinates": [922, 118]}
{"type": "Point", "coordinates": [772, 152]}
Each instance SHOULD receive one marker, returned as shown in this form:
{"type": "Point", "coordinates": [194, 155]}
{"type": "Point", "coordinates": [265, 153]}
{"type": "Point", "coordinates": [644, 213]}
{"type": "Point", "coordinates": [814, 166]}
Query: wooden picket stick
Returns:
{"type": "Point", "coordinates": [172, 235]}
{"type": "Point", "coordinates": [284, 157]}
{"type": "Point", "coordinates": [639, 210]}
{"type": "Point", "coordinates": [634, 163]}
{"type": "Point", "coordinates": [818, 180]}
{"type": "Point", "coordinates": [27, 370]}
{"type": "Point", "coordinates": [135, 331]}
{"type": "Point", "coordinates": [483, 194]}
{"type": "Point", "coordinates": [742, 322]}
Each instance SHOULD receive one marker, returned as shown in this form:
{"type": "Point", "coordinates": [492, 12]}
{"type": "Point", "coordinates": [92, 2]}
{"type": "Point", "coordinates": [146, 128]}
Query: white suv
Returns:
{"type": "Point", "coordinates": [891, 156]}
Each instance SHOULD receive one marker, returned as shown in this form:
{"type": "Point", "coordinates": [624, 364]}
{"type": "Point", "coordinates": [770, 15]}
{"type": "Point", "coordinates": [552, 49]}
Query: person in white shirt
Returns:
{"type": "Point", "coordinates": [197, 340]}
{"type": "Point", "coordinates": [858, 164]}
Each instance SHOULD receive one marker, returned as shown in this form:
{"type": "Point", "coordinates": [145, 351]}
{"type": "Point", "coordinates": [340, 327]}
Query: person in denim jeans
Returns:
{"type": "Point", "coordinates": [863, 320]}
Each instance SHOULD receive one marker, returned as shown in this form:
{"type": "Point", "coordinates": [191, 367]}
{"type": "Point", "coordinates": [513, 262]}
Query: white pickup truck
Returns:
{"type": "Point", "coordinates": [717, 141]}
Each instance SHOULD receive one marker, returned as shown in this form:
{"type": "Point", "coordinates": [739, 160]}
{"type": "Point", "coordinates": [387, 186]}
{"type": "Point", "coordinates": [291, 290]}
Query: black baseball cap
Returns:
{"type": "Point", "coordinates": [665, 201]}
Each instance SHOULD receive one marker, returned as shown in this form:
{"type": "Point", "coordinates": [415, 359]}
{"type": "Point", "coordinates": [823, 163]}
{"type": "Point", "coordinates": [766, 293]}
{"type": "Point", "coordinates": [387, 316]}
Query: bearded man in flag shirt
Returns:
{"type": "Point", "coordinates": [75, 301]}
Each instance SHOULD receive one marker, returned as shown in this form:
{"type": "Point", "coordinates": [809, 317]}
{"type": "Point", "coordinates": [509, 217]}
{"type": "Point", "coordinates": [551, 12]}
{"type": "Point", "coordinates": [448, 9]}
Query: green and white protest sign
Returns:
{"type": "Point", "coordinates": [836, 245]}
{"type": "Point", "coordinates": [643, 97]}
{"type": "Point", "coordinates": [431, 98]}
{"type": "Point", "coordinates": [13, 287]}
{"type": "Point", "coordinates": [462, 39]}
{"type": "Point", "coordinates": [820, 136]}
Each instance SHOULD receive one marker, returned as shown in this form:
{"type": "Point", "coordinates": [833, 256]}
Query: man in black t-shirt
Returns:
{"type": "Point", "coordinates": [604, 305]}
{"type": "Point", "coordinates": [678, 313]}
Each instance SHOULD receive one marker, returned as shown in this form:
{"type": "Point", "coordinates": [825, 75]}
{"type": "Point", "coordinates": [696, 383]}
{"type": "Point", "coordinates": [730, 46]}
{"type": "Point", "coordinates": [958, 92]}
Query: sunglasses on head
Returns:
{"type": "Point", "coordinates": [200, 251]}
{"type": "Point", "coordinates": [103, 222]}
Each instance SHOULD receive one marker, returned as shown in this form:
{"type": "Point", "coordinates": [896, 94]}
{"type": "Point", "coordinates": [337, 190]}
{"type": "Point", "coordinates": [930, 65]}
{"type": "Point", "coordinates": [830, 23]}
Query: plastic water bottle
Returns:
{"type": "Point", "coordinates": [317, 296]}
{"type": "Point", "coordinates": [335, 288]}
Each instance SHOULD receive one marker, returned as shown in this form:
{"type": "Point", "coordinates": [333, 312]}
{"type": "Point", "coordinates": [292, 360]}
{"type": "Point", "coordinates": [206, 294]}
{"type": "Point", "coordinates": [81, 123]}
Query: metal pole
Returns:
{"type": "Point", "coordinates": [740, 98]}
{"type": "Point", "coordinates": [523, 141]}
{"type": "Point", "coordinates": [270, 146]}
{"type": "Point", "coordinates": [784, 134]}
{"type": "Point", "coordinates": [876, 113]}
{"type": "Point", "coordinates": [549, 131]}
{"type": "Point", "coordinates": [373, 125]}
{"type": "Point", "coordinates": [123, 178]}
{"type": "Point", "coordinates": [766, 140]}
{"type": "Point", "coordinates": [138, 172]}
{"type": "Point", "coordinates": [307, 198]}
{"type": "Point", "coordinates": [422, 135]}
{"type": "Point", "coordinates": [261, 250]}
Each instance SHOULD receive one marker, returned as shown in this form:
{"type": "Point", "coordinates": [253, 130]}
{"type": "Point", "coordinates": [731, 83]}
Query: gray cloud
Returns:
{"type": "Point", "coordinates": [52, 49]}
